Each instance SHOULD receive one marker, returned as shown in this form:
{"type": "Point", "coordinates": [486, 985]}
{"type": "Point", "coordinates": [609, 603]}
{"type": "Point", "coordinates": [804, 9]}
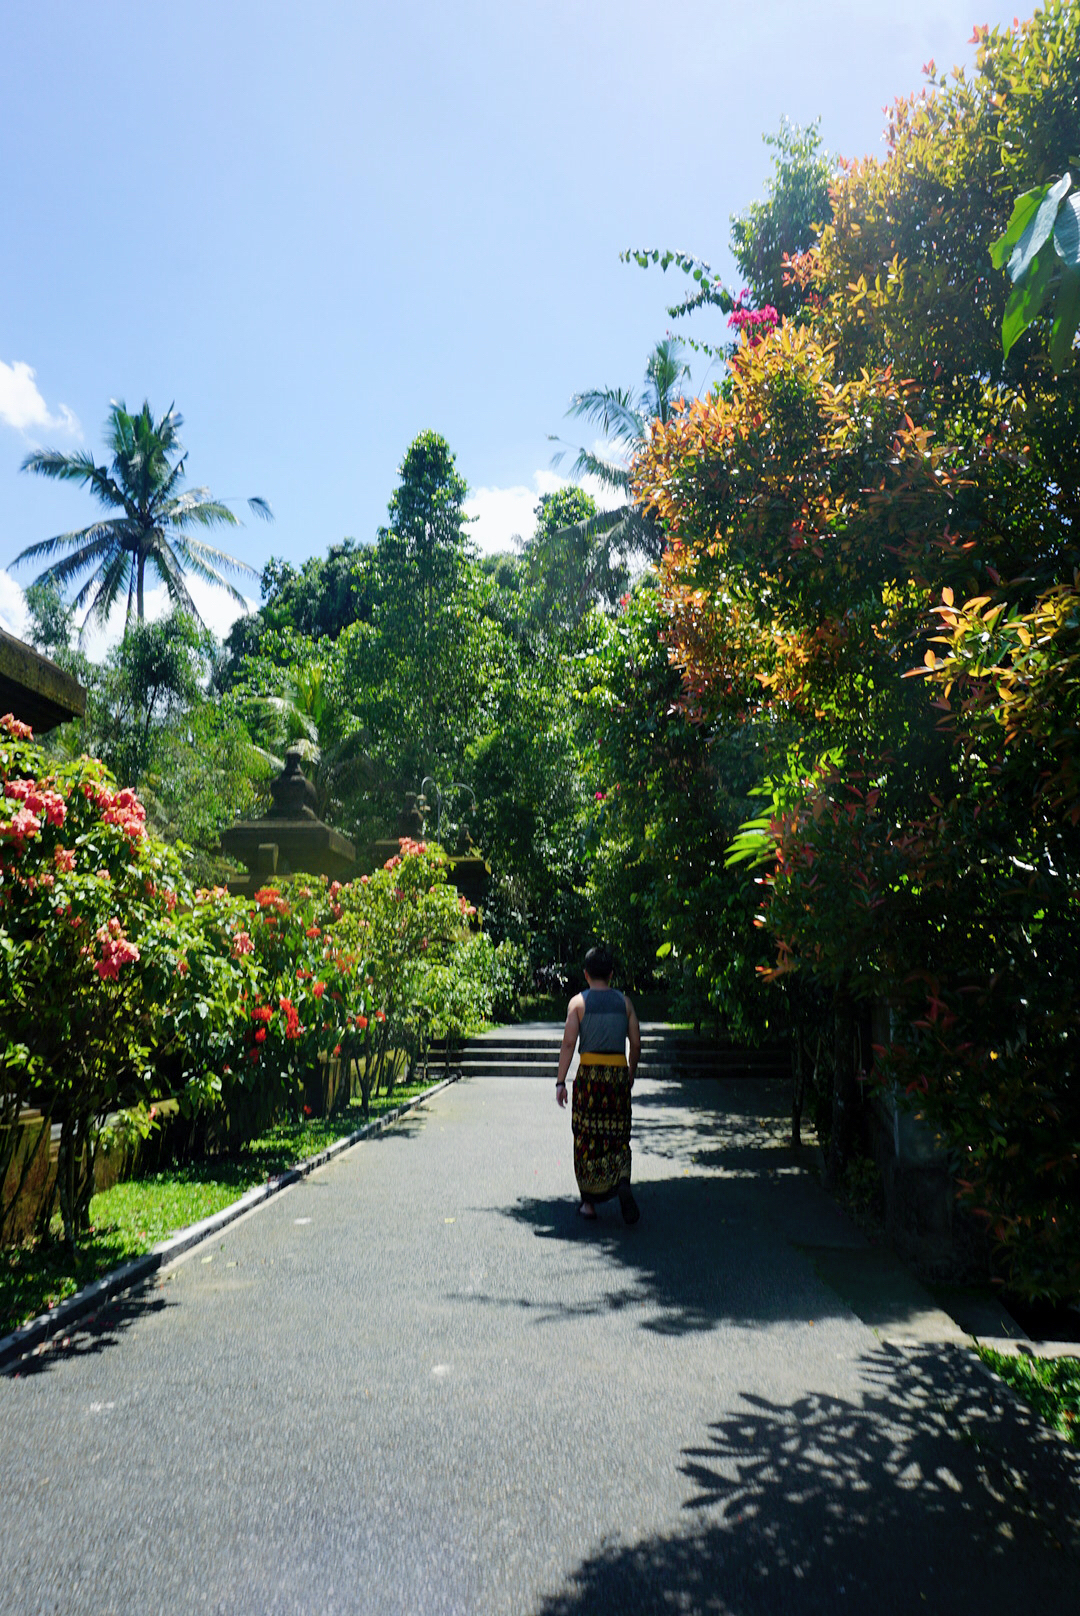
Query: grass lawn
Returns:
{"type": "Point", "coordinates": [1050, 1385]}
{"type": "Point", "coordinates": [132, 1217]}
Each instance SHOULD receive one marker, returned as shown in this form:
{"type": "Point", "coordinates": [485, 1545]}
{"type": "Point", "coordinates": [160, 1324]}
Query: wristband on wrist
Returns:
{"type": "Point", "coordinates": [560, 1082]}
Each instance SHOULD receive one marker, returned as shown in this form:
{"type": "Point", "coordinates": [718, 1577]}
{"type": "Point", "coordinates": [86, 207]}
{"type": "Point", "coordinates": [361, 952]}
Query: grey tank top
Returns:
{"type": "Point", "coordinates": [604, 1025]}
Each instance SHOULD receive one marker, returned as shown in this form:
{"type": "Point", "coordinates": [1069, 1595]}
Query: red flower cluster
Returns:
{"type": "Point", "coordinates": [40, 799]}
{"type": "Point", "coordinates": [19, 829]}
{"type": "Point", "coordinates": [121, 808]}
{"type": "Point", "coordinates": [293, 1028]}
{"type": "Point", "coordinates": [271, 898]}
{"type": "Point", "coordinates": [17, 730]}
{"type": "Point", "coordinates": [242, 944]}
{"type": "Point", "coordinates": [115, 950]}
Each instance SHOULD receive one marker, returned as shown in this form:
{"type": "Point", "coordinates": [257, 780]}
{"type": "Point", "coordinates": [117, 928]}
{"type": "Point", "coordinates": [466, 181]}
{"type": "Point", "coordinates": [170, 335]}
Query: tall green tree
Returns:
{"type": "Point", "coordinates": [422, 553]}
{"type": "Point", "coordinates": [569, 564]}
{"type": "Point", "coordinates": [786, 220]}
{"type": "Point", "coordinates": [151, 521]}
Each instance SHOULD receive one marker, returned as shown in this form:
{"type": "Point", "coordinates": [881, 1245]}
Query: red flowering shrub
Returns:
{"type": "Point", "coordinates": [121, 986]}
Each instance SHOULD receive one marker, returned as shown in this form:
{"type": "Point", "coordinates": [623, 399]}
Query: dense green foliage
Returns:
{"type": "Point", "coordinates": [876, 482]}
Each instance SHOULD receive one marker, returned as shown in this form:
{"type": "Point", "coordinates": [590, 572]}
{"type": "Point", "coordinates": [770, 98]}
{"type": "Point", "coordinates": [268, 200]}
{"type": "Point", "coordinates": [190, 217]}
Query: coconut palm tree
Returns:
{"type": "Point", "coordinates": [152, 520]}
{"type": "Point", "coordinates": [625, 420]}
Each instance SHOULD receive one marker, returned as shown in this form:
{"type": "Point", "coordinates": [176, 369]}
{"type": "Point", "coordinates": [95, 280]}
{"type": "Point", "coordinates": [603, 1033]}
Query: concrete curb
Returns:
{"type": "Point", "coordinates": [36, 1332]}
{"type": "Point", "coordinates": [1010, 1347]}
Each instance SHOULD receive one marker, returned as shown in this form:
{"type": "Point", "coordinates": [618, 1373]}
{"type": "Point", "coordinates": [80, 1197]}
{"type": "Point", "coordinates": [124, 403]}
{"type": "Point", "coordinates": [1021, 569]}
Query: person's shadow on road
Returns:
{"type": "Point", "coordinates": [706, 1249]}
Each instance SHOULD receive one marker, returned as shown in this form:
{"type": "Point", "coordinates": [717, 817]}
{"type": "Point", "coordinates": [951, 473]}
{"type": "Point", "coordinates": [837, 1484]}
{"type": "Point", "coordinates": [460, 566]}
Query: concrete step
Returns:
{"type": "Point", "coordinates": [487, 1058]}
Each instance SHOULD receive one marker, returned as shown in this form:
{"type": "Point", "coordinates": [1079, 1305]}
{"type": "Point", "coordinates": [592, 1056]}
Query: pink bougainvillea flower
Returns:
{"type": "Point", "coordinates": [242, 944]}
{"type": "Point", "coordinates": [64, 859]}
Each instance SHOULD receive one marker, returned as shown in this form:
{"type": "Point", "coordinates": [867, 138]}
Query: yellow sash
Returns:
{"type": "Point", "coordinates": [594, 1058]}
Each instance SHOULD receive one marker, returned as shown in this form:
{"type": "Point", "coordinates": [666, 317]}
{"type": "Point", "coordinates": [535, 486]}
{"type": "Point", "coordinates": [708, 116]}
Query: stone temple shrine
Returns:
{"type": "Point", "coordinates": [290, 839]}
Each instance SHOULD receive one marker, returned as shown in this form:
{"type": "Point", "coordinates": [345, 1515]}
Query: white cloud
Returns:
{"type": "Point", "coordinates": [22, 406]}
{"type": "Point", "coordinates": [13, 614]}
{"type": "Point", "coordinates": [504, 515]}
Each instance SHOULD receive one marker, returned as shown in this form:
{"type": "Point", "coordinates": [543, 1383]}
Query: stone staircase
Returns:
{"type": "Point", "coordinates": [533, 1051]}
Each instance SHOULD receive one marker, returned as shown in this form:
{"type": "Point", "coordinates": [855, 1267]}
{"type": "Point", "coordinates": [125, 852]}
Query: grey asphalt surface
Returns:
{"type": "Point", "coordinates": [418, 1382]}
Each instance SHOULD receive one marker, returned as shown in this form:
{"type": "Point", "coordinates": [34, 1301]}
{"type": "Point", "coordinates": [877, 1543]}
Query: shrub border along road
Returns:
{"type": "Point", "coordinates": [37, 1332]}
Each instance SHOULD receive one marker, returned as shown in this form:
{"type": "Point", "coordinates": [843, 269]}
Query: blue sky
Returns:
{"type": "Point", "coordinates": [323, 228]}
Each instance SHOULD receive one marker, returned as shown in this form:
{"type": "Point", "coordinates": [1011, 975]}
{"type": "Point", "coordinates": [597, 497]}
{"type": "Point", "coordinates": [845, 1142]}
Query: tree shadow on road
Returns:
{"type": "Point", "coordinates": [932, 1490]}
{"type": "Point", "coordinates": [88, 1336]}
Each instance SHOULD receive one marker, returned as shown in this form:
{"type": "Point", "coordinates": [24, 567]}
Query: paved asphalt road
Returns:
{"type": "Point", "coordinates": [417, 1382]}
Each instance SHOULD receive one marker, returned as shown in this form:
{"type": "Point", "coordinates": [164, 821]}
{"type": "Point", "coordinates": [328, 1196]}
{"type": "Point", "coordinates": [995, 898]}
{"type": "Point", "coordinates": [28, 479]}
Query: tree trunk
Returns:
{"type": "Point", "coordinates": [798, 1085]}
{"type": "Point", "coordinates": [140, 577]}
{"type": "Point", "coordinates": [845, 1098]}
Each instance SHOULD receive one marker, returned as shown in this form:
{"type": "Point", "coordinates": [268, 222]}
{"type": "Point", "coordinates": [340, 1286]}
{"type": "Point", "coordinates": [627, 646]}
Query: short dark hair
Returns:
{"type": "Point", "coordinates": [599, 962]}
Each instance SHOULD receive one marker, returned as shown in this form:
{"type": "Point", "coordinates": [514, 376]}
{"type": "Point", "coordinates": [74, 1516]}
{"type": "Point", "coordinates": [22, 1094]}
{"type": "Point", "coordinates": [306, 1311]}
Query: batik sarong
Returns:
{"type": "Point", "coordinates": [601, 1120]}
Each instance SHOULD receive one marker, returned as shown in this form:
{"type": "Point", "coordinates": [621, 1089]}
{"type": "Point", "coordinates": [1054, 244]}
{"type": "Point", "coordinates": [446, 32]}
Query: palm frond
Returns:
{"type": "Point", "coordinates": [176, 475]}
{"type": "Point", "coordinates": [261, 508]}
{"type": "Point", "coordinates": [195, 505]}
{"type": "Point", "coordinates": [78, 467]}
{"type": "Point", "coordinates": [98, 550]}
{"type": "Point", "coordinates": [79, 537]}
{"type": "Point", "coordinates": [627, 528]}
{"type": "Point", "coordinates": [612, 409]}
{"type": "Point", "coordinates": [606, 472]}
{"type": "Point", "coordinates": [166, 563]}
{"type": "Point", "coordinates": [665, 370]}
{"type": "Point", "coordinates": [208, 555]}
{"type": "Point", "coordinates": [109, 582]}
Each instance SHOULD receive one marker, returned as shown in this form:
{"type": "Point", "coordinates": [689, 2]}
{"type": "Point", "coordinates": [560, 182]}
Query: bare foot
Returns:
{"type": "Point", "coordinates": [587, 1210]}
